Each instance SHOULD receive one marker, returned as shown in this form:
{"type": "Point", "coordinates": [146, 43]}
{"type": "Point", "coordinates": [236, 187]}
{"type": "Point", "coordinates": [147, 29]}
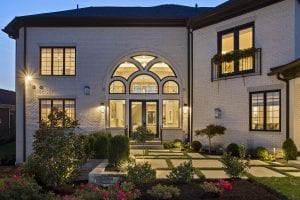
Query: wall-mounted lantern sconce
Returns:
{"type": "Point", "coordinates": [102, 108]}
{"type": "Point", "coordinates": [87, 90]}
{"type": "Point", "coordinates": [218, 113]}
{"type": "Point", "coordinates": [28, 78]}
{"type": "Point", "coordinates": [185, 108]}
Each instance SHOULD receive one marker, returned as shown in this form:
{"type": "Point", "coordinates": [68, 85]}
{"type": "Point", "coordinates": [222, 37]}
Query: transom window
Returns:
{"type": "Point", "coordinates": [125, 70]}
{"type": "Point", "coordinates": [117, 87]}
{"type": "Point", "coordinates": [265, 111]}
{"type": "Point", "coordinates": [170, 87]}
{"type": "Point", "coordinates": [144, 84]}
{"type": "Point", "coordinates": [143, 59]}
{"type": "Point", "coordinates": [162, 70]}
{"type": "Point", "coordinates": [58, 61]}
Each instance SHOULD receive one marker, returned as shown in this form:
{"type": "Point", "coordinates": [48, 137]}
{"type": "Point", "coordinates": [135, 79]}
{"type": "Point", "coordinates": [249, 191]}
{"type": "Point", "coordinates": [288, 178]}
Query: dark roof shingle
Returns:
{"type": "Point", "coordinates": [7, 97]}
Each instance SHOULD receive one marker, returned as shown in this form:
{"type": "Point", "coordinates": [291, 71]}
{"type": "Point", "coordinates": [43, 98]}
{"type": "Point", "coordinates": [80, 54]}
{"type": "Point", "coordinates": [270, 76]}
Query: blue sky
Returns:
{"type": "Point", "coordinates": [11, 8]}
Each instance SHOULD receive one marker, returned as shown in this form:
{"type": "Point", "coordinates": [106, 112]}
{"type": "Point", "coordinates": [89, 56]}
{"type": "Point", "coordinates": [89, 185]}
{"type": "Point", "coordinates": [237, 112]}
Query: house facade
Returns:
{"type": "Point", "coordinates": [173, 69]}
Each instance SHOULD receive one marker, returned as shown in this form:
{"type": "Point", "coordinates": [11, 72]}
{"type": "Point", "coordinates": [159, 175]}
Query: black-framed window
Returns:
{"type": "Point", "coordinates": [235, 39]}
{"type": "Point", "coordinates": [48, 105]}
{"type": "Point", "coordinates": [58, 61]}
{"type": "Point", "coordinates": [265, 111]}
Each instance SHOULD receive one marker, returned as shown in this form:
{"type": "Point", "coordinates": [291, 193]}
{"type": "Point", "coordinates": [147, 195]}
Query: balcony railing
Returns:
{"type": "Point", "coordinates": [236, 64]}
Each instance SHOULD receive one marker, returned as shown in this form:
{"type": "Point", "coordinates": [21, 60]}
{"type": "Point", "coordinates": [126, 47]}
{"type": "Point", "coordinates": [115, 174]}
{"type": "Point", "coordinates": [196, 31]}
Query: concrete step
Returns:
{"type": "Point", "coordinates": [154, 142]}
{"type": "Point", "coordinates": [146, 146]}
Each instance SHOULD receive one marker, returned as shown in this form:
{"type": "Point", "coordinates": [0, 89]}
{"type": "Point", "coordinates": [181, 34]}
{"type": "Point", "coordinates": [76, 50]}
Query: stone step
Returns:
{"type": "Point", "coordinates": [151, 146]}
{"type": "Point", "coordinates": [155, 142]}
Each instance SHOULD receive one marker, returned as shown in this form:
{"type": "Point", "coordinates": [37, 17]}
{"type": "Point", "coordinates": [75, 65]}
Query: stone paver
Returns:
{"type": "Point", "coordinates": [177, 162]}
{"type": "Point", "coordinates": [286, 168]}
{"type": "Point", "coordinates": [195, 155]}
{"type": "Point", "coordinates": [258, 162]}
{"type": "Point", "coordinates": [159, 150]}
{"type": "Point", "coordinates": [213, 156]}
{"type": "Point", "coordinates": [297, 174]}
{"type": "Point", "coordinates": [136, 152]}
{"type": "Point", "coordinates": [276, 163]}
{"type": "Point", "coordinates": [214, 174]}
{"type": "Point", "coordinates": [207, 164]}
{"type": "Point", "coordinates": [162, 174]}
{"type": "Point", "coordinates": [164, 153]}
{"type": "Point", "coordinates": [296, 162]}
{"type": "Point", "coordinates": [264, 172]}
{"type": "Point", "coordinates": [155, 163]}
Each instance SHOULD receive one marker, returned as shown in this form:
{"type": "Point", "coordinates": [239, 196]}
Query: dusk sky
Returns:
{"type": "Point", "coordinates": [11, 8]}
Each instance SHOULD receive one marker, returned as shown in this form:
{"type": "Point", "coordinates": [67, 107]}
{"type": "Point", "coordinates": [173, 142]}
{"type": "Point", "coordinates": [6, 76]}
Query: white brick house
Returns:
{"type": "Point", "coordinates": [119, 68]}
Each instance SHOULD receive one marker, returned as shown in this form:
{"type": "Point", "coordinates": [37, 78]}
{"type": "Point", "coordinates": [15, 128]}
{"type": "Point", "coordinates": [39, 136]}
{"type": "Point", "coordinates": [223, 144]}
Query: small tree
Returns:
{"type": "Point", "coordinates": [211, 131]}
{"type": "Point", "coordinates": [141, 135]}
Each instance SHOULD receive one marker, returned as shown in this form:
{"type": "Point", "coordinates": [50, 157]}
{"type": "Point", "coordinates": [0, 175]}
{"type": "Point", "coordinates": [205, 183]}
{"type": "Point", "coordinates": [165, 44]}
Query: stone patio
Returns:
{"type": "Point", "coordinates": [155, 163]}
{"type": "Point", "coordinates": [264, 172]}
{"type": "Point", "coordinates": [214, 174]}
{"type": "Point", "coordinates": [258, 162]}
{"type": "Point", "coordinates": [195, 155]}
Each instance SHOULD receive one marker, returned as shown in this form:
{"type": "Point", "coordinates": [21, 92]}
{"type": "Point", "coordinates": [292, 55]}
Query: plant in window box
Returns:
{"type": "Point", "coordinates": [218, 59]}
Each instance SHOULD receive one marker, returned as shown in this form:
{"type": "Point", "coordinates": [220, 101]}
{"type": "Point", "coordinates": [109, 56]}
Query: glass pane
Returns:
{"type": "Point", "coordinates": [70, 61]}
{"type": "Point", "coordinates": [45, 110]}
{"type": "Point", "coordinates": [151, 116]}
{"type": "Point", "coordinates": [58, 105]}
{"type": "Point", "coordinates": [117, 87]}
{"type": "Point", "coordinates": [170, 87]}
{"type": "Point", "coordinates": [136, 115]}
{"type": "Point", "coordinates": [246, 42]}
{"type": "Point", "coordinates": [143, 59]}
{"type": "Point", "coordinates": [227, 46]}
{"type": "Point", "coordinates": [125, 70]}
{"type": "Point", "coordinates": [70, 109]}
{"type": "Point", "coordinates": [257, 111]}
{"type": "Point", "coordinates": [162, 70]}
{"type": "Point", "coordinates": [273, 111]}
{"type": "Point", "coordinates": [46, 60]}
{"type": "Point", "coordinates": [58, 61]}
{"type": "Point", "coordinates": [171, 113]}
{"type": "Point", "coordinates": [144, 84]}
{"type": "Point", "coordinates": [117, 113]}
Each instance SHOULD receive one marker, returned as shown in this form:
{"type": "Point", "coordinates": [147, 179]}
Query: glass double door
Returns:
{"type": "Point", "coordinates": [144, 113]}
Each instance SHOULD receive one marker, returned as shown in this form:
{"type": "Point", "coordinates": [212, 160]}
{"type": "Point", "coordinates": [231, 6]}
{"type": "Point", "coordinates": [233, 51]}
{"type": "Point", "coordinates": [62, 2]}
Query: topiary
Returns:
{"type": "Point", "coordinates": [118, 150]}
{"type": "Point", "coordinates": [100, 146]}
{"type": "Point", "coordinates": [289, 149]}
{"type": "Point", "coordinates": [233, 150]}
{"type": "Point", "coordinates": [177, 143]}
{"type": "Point", "coordinates": [261, 153]}
{"type": "Point", "coordinates": [196, 146]}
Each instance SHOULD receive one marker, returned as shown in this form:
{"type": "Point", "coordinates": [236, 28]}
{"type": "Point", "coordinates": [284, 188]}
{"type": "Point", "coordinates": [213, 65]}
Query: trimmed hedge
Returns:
{"type": "Point", "coordinates": [196, 146]}
{"type": "Point", "coordinates": [289, 149]}
{"type": "Point", "coordinates": [118, 150]}
{"type": "Point", "coordinates": [233, 149]}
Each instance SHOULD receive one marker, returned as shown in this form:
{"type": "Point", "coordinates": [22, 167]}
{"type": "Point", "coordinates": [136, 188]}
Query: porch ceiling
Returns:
{"type": "Point", "coordinates": [289, 71]}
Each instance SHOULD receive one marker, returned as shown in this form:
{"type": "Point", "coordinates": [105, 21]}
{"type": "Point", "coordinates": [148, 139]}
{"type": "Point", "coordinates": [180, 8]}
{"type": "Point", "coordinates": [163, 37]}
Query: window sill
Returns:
{"type": "Point", "coordinates": [236, 76]}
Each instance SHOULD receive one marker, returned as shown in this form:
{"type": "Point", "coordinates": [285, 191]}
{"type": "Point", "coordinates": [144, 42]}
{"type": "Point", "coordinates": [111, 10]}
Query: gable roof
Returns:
{"type": "Point", "coordinates": [7, 97]}
{"type": "Point", "coordinates": [289, 71]}
{"type": "Point", "coordinates": [159, 16]}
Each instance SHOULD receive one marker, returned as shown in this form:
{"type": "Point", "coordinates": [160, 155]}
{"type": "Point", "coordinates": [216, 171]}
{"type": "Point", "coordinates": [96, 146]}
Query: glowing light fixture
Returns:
{"type": "Point", "coordinates": [102, 108]}
{"type": "Point", "coordinates": [28, 78]}
{"type": "Point", "coordinates": [185, 108]}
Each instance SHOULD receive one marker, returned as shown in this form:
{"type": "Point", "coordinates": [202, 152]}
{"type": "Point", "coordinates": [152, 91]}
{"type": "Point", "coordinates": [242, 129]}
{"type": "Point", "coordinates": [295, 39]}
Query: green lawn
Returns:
{"type": "Point", "coordinates": [7, 149]}
{"type": "Point", "coordinates": [288, 186]}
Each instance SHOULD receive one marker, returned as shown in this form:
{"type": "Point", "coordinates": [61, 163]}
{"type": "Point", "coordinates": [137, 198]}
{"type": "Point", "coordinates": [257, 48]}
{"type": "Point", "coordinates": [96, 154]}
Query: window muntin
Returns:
{"type": "Point", "coordinates": [125, 70]}
{"type": "Point", "coordinates": [162, 70]}
{"type": "Point", "coordinates": [170, 87]}
{"type": "Point", "coordinates": [48, 105]}
{"type": "Point", "coordinates": [143, 84]}
{"type": "Point", "coordinates": [170, 113]}
{"type": "Point", "coordinates": [58, 61]}
{"type": "Point", "coordinates": [143, 59]}
{"type": "Point", "coordinates": [265, 111]}
{"type": "Point", "coordinates": [238, 38]}
{"type": "Point", "coordinates": [117, 113]}
{"type": "Point", "coordinates": [117, 87]}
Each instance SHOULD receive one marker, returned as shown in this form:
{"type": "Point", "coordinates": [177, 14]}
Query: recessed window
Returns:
{"type": "Point", "coordinates": [170, 87]}
{"type": "Point", "coordinates": [143, 59]}
{"type": "Point", "coordinates": [117, 113]}
{"type": "Point", "coordinates": [144, 84]}
{"type": "Point", "coordinates": [125, 70]}
{"type": "Point", "coordinates": [48, 105]}
{"type": "Point", "coordinates": [117, 87]}
{"type": "Point", "coordinates": [58, 61]}
{"type": "Point", "coordinates": [265, 111]}
{"type": "Point", "coordinates": [162, 70]}
{"type": "Point", "coordinates": [170, 113]}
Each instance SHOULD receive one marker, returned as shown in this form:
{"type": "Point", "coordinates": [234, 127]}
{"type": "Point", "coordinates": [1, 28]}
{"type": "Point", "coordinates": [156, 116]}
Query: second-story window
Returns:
{"type": "Point", "coordinates": [234, 43]}
{"type": "Point", "coordinates": [58, 61]}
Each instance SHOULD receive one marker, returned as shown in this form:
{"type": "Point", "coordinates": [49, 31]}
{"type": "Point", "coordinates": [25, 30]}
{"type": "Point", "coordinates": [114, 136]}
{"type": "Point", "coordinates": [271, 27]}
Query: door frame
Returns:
{"type": "Point", "coordinates": [144, 102]}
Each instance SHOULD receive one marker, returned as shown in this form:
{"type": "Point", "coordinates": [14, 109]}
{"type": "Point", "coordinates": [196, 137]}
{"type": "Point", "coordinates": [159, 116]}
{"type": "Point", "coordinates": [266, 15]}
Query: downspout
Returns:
{"type": "Point", "coordinates": [287, 104]}
{"type": "Point", "coordinates": [24, 93]}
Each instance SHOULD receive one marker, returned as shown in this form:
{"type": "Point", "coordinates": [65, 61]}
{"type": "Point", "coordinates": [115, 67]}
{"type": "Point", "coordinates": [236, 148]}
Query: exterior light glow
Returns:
{"type": "Point", "coordinates": [28, 78]}
{"type": "Point", "coordinates": [102, 108]}
{"type": "Point", "coordinates": [185, 108]}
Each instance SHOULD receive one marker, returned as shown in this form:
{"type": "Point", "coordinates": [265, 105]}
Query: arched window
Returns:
{"type": "Point", "coordinates": [144, 84]}
{"type": "Point", "coordinates": [170, 87]}
{"type": "Point", "coordinates": [143, 59]}
{"type": "Point", "coordinates": [125, 70]}
{"type": "Point", "coordinates": [162, 70]}
{"type": "Point", "coordinates": [117, 87]}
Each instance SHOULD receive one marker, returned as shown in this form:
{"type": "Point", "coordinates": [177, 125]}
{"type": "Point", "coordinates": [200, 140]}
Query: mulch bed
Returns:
{"type": "Point", "coordinates": [242, 190]}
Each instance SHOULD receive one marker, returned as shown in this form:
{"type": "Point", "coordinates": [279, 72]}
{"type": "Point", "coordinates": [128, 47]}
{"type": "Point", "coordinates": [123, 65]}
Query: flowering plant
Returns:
{"type": "Point", "coordinates": [217, 187]}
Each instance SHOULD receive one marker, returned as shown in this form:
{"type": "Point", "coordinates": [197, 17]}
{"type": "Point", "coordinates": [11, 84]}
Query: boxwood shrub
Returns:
{"type": "Point", "coordinates": [233, 149]}
{"type": "Point", "coordinates": [196, 146]}
{"type": "Point", "coordinates": [118, 150]}
{"type": "Point", "coordinates": [289, 149]}
{"type": "Point", "coordinates": [261, 153]}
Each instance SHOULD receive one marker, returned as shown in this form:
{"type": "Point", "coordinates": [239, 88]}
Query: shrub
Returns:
{"type": "Point", "coordinates": [100, 146]}
{"type": "Point", "coordinates": [261, 153]}
{"type": "Point", "coordinates": [289, 149]}
{"type": "Point", "coordinates": [233, 149]}
{"type": "Point", "coordinates": [196, 146]}
{"type": "Point", "coordinates": [182, 174]}
{"type": "Point", "coordinates": [235, 167]}
{"type": "Point", "coordinates": [216, 187]}
{"type": "Point", "coordinates": [141, 173]}
{"type": "Point", "coordinates": [168, 145]}
{"type": "Point", "coordinates": [177, 143]}
{"type": "Point", "coordinates": [164, 192]}
{"type": "Point", "coordinates": [118, 150]}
